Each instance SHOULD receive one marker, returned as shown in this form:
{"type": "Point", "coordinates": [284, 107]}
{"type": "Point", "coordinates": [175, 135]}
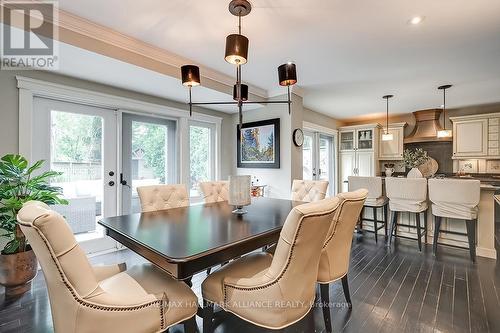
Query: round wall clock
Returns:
{"type": "Point", "coordinates": [298, 137]}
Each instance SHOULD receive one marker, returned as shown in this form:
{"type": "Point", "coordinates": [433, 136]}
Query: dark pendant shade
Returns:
{"type": "Point", "coordinates": [287, 74]}
{"type": "Point", "coordinates": [244, 92]}
{"type": "Point", "coordinates": [190, 75]}
{"type": "Point", "coordinates": [236, 49]}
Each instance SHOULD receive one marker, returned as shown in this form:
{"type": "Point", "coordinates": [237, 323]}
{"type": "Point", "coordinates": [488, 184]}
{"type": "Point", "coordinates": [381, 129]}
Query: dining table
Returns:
{"type": "Point", "coordinates": [186, 240]}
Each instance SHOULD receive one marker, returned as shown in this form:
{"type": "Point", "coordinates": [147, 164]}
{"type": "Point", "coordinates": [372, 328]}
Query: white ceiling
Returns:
{"type": "Point", "coordinates": [348, 53]}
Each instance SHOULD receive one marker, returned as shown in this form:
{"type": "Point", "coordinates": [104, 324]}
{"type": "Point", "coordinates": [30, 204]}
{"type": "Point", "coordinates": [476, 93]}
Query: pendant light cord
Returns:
{"type": "Point", "coordinates": [444, 109]}
{"type": "Point", "coordinates": [387, 117]}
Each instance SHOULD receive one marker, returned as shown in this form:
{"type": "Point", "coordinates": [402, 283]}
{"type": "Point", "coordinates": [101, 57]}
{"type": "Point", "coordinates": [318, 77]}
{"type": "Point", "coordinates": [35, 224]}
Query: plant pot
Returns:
{"type": "Point", "coordinates": [414, 173]}
{"type": "Point", "coordinates": [16, 271]}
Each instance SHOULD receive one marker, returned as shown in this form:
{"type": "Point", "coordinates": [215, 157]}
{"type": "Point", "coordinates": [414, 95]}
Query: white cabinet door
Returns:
{"type": "Point", "coordinates": [393, 149]}
{"type": "Point", "coordinates": [347, 168]}
{"type": "Point", "coordinates": [470, 138]}
{"type": "Point", "coordinates": [365, 164]}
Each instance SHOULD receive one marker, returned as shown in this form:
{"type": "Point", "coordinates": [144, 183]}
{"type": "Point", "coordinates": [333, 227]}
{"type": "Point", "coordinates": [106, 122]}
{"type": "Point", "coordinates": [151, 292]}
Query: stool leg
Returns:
{"type": "Point", "coordinates": [437, 227]}
{"type": "Point", "coordinates": [471, 235]}
{"type": "Point", "coordinates": [360, 230]}
{"type": "Point", "coordinates": [393, 225]}
{"type": "Point", "coordinates": [375, 224]}
{"type": "Point", "coordinates": [386, 220]}
{"type": "Point", "coordinates": [419, 231]}
{"type": "Point", "coordinates": [425, 226]}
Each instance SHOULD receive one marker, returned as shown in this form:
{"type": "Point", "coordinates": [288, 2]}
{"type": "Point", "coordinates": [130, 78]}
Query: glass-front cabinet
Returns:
{"type": "Point", "coordinates": [347, 140]}
{"type": "Point", "coordinates": [357, 139]}
{"type": "Point", "coordinates": [364, 139]}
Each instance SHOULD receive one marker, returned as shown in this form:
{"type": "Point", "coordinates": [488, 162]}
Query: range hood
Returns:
{"type": "Point", "coordinates": [426, 127]}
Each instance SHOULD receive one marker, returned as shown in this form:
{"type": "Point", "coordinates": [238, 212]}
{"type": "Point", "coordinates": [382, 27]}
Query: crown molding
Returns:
{"type": "Point", "coordinates": [72, 28]}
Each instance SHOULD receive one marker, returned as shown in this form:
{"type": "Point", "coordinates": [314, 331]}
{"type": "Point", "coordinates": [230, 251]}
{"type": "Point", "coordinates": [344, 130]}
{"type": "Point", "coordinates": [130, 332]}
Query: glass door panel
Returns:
{"type": "Point", "coordinates": [80, 142]}
{"type": "Point", "coordinates": [347, 140]}
{"type": "Point", "coordinates": [201, 156]}
{"type": "Point", "coordinates": [307, 156]}
{"type": "Point", "coordinates": [365, 139]}
{"type": "Point", "coordinates": [148, 156]}
{"type": "Point", "coordinates": [326, 158]}
{"type": "Point", "coordinates": [318, 158]}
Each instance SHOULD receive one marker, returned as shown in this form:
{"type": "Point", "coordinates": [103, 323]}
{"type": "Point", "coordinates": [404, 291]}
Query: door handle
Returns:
{"type": "Point", "coordinates": [111, 183]}
{"type": "Point", "coordinates": [123, 181]}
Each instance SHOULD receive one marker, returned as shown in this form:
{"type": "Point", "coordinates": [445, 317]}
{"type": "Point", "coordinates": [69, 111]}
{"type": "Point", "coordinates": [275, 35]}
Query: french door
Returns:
{"type": "Point", "coordinates": [80, 141]}
{"type": "Point", "coordinates": [148, 156]}
{"type": "Point", "coordinates": [318, 158]}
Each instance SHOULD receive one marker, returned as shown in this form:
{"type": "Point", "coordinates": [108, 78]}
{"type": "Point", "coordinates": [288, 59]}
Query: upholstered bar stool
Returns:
{"type": "Point", "coordinates": [407, 195]}
{"type": "Point", "coordinates": [455, 199]}
{"type": "Point", "coordinates": [215, 191]}
{"type": "Point", "coordinates": [274, 291]}
{"type": "Point", "coordinates": [334, 260]}
{"type": "Point", "coordinates": [376, 200]}
{"type": "Point", "coordinates": [161, 197]}
{"type": "Point", "coordinates": [86, 298]}
{"type": "Point", "coordinates": [309, 190]}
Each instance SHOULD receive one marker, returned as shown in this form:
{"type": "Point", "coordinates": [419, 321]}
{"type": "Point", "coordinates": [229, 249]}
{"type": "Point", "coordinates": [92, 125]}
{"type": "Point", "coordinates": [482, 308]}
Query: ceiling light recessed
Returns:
{"type": "Point", "coordinates": [416, 20]}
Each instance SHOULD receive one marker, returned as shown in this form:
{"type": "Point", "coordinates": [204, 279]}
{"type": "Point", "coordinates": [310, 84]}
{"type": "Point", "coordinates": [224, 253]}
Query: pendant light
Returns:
{"type": "Point", "coordinates": [444, 133]}
{"type": "Point", "coordinates": [236, 53]}
{"type": "Point", "coordinates": [387, 136]}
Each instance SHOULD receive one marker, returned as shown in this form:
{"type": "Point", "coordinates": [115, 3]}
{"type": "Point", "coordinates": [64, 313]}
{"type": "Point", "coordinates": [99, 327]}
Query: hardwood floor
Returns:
{"type": "Point", "coordinates": [394, 289]}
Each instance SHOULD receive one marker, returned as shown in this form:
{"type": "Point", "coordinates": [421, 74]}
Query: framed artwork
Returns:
{"type": "Point", "coordinates": [259, 144]}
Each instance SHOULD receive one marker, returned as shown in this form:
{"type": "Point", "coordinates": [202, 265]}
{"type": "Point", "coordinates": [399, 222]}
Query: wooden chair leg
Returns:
{"type": "Point", "coordinates": [347, 294]}
{"type": "Point", "coordinates": [419, 231]}
{"type": "Point", "coordinates": [393, 228]}
{"type": "Point", "coordinates": [437, 227]}
{"type": "Point", "coordinates": [325, 300]}
{"type": "Point", "coordinates": [190, 325]}
{"type": "Point", "coordinates": [375, 223]}
{"type": "Point", "coordinates": [471, 235]}
{"type": "Point", "coordinates": [208, 314]}
{"type": "Point", "coordinates": [386, 220]}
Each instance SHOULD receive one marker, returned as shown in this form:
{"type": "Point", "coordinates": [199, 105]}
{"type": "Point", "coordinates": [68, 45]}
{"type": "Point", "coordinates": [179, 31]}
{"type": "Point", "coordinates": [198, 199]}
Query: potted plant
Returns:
{"type": "Point", "coordinates": [19, 184]}
{"type": "Point", "coordinates": [412, 159]}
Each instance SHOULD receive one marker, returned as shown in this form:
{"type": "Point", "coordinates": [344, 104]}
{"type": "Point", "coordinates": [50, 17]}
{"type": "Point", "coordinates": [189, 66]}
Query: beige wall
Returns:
{"type": "Point", "coordinates": [9, 127]}
{"type": "Point", "coordinates": [321, 119]}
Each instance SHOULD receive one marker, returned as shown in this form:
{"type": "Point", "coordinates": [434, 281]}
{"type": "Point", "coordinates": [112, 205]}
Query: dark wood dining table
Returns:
{"type": "Point", "coordinates": [187, 240]}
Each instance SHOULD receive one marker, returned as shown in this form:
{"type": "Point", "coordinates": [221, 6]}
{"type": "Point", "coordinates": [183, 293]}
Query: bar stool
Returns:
{"type": "Point", "coordinates": [456, 199]}
{"type": "Point", "coordinates": [407, 195]}
{"type": "Point", "coordinates": [375, 200]}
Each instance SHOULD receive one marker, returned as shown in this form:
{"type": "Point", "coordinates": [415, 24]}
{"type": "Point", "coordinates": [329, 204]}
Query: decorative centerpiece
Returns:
{"type": "Point", "coordinates": [412, 159]}
{"type": "Point", "coordinates": [389, 169]}
{"type": "Point", "coordinates": [239, 193]}
{"type": "Point", "coordinates": [19, 184]}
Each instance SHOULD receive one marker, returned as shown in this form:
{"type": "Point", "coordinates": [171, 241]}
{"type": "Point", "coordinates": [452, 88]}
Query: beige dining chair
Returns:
{"type": "Point", "coordinates": [309, 190]}
{"type": "Point", "coordinates": [334, 260]}
{"type": "Point", "coordinates": [407, 195]}
{"type": "Point", "coordinates": [376, 200]}
{"type": "Point", "coordinates": [86, 298]}
{"type": "Point", "coordinates": [215, 191]}
{"type": "Point", "coordinates": [455, 199]}
{"type": "Point", "coordinates": [161, 197]}
{"type": "Point", "coordinates": [288, 277]}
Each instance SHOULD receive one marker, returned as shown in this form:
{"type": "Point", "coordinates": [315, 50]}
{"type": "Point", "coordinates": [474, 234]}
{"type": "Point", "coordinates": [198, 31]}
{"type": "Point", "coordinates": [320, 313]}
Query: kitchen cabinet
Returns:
{"type": "Point", "coordinates": [393, 149]}
{"type": "Point", "coordinates": [358, 147]}
{"type": "Point", "coordinates": [476, 136]}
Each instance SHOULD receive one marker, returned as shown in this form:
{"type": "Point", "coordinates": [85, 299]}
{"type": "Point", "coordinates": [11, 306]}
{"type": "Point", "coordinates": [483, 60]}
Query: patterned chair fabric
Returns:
{"type": "Point", "coordinates": [455, 198]}
{"type": "Point", "coordinates": [86, 298]}
{"type": "Point", "coordinates": [215, 191]}
{"type": "Point", "coordinates": [160, 197]}
{"type": "Point", "coordinates": [406, 194]}
{"type": "Point", "coordinates": [309, 190]}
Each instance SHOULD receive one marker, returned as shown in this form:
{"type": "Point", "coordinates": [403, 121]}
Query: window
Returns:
{"type": "Point", "coordinates": [201, 155]}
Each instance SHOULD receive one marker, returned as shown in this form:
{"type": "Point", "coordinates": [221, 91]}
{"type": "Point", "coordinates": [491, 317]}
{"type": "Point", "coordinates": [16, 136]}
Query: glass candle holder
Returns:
{"type": "Point", "coordinates": [239, 193]}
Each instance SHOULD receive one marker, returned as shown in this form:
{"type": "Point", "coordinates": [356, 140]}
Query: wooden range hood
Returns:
{"type": "Point", "coordinates": [426, 127]}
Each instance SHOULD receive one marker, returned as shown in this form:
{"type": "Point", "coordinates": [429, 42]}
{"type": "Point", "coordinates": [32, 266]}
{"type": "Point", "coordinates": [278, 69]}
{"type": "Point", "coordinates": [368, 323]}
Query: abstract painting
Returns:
{"type": "Point", "coordinates": [259, 144]}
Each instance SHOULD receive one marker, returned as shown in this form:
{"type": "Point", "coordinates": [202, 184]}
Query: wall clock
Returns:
{"type": "Point", "coordinates": [298, 137]}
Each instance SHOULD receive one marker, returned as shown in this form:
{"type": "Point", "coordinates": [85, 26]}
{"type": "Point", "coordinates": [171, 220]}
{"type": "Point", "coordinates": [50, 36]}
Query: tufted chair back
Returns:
{"type": "Point", "coordinates": [215, 191]}
{"type": "Point", "coordinates": [309, 190]}
{"type": "Point", "coordinates": [291, 276]}
{"type": "Point", "coordinates": [334, 261]}
{"type": "Point", "coordinates": [160, 197]}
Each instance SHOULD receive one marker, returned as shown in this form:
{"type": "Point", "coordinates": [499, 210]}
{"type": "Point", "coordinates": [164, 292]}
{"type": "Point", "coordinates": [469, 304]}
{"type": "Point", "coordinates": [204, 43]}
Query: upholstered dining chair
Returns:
{"type": "Point", "coordinates": [215, 191]}
{"type": "Point", "coordinates": [376, 200]}
{"type": "Point", "coordinates": [334, 260]}
{"type": "Point", "coordinates": [455, 199]}
{"type": "Point", "coordinates": [161, 197]}
{"type": "Point", "coordinates": [287, 277]}
{"type": "Point", "coordinates": [407, 195]}
{"type": "Point", "coordinates": [309, 190]}
{"type": "Point", "coordinates": [85, 298]}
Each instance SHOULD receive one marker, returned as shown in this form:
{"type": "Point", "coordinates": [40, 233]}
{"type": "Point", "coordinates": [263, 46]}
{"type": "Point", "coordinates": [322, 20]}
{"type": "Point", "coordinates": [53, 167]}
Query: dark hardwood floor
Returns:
{"type": "Point", "coordinates": [394, 289]}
